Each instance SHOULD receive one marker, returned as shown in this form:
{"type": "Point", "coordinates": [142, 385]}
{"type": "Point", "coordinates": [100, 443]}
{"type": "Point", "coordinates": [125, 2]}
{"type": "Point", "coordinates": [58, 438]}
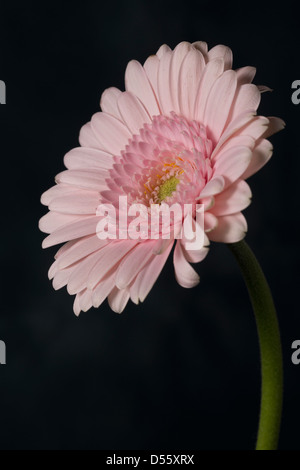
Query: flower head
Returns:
{"type": "Point", "coordinates": [185, 131]}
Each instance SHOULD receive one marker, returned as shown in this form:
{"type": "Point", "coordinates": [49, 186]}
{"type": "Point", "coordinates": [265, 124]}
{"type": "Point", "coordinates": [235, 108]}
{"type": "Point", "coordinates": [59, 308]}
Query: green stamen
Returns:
{"type": "Point", "coordinates": [167, 188]}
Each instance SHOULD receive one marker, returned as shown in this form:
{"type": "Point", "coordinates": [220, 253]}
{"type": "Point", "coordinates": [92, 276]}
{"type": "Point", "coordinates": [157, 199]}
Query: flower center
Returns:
{"type": "Point", "coordinates": [167, 188]}
{"type": "Point", "coordinates": [167, 161]}
{"type": "Point", "coordinates": [162, 181]}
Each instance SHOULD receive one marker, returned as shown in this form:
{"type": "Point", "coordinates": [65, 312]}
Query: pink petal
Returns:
{"type": "Point", "coordinates": [236, 141]}
{"type": "Point", "coordinates": [189, 78]}
{"type": "Point", "coordinates": [219, 103]}
{"type": "Point", "coordinates": [102, 290]}
{"type": "Point", "coordinates": [201, 46]}
{"type": "Point", "coordinates": [214, 186]}
{"type": "Point", "coordinates": [232, 163]}
{"type": "Point", "coordinates": [57, 191]}
{"type": "Point", "coordinates": [87, 137]}
{"type": "Point", "coordinates": [151, 68]}
{"type": "Point", "coordinates": [255, 128]}
{"type": "Point", "coordinates": [54, 220]}
{"type": "Point", "coordinates": [80, 249]}
{"type": "Point", "coordinates": [76, 306]}
{"type": "Point", "coordinates": [250, 126]}
{"type": "Point", "coordinates": [85, 179]}
{"type": "Point", "coordinates": [62, 277]}
{"type": "Point", "coordinates": [234, 199]}
{"type": "Point", "coordinates": [135, 159]}
{"type": "Point", "coordinates": [133, 263]}
{"type": "Point", "coordinates": [85, 300]}
{"type": "Point", "coordinates": [275, 125]}
{"type": "Point", "coordinates": [148, 276]}
{"type": "Point", "coordinates": [211, 72]}
{"type": "Point", "coordinates": [207, 202]}
{"type": "Point", "coordinates": [210, 221]}
{"type": "Point", "coordinates": [245, 75]}
{"type": "Point", "coordinates": [261, 155]}
{"type": "Point", "coordinates": [230, 229]}
{"type": "Point", "coordinates": [185, 275]}
{"type": "Point", "coordinates": [136, 82]}
{"type": "Point", "coordinates": [221, 52]}
{"type": "Point", "coordinates": [248, 97]}
{"type": "Point", "coordinates": [64, 249]}
{"type": "Point", "coordinates": [178, 55]}
{"type": "Point", "coordinates": [134, 288]}
{"type": "Point", "coordinates": [263, 88]}
{"type": "Point", "coordinates": [111, 134]}
{"type": "Point", "coordinates": [164, 49]}
{"type": "Point", "coordinates": [81, 227]}
{"type": "Point", "coordinates": [236, 126]}
{"type": "Point", "coordinates": [109, 100]}
{"type": "Point", "coordinates": [164, 88]}
{"type": "Point", "coordinates": [161, 246]}
{"type": "Point", "coordinates": [111, 255]}
{"type": "Point", "coordinates": [53, 270]}
{"type": "Point", "coordinates": [133, 112]}
{"type": "Point", "coordinates": [83, 203]}
{"type": "Point", "coordinates": [110, 196]}
{"type": "Point", "coordinates": [196, 256]}
{"type": "Point", "coordinates": [118, 299]}
{"type": "Point", "coordinates": [81, 271]}
{"type": "Point", "coordinates": [85, 158]}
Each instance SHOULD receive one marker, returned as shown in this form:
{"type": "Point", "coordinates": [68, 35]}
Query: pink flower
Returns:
{"type": "Point", "coordinates": [185, 130]}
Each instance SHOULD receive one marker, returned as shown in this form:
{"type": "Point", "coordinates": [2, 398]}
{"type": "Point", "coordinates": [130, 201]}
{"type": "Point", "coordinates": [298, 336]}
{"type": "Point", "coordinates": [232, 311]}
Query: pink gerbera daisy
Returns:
{"type": "Point", "coordinates": [186, 131]}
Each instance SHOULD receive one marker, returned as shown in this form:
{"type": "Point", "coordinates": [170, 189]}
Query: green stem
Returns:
{"type": "Point", "coordinates": [270, 346]}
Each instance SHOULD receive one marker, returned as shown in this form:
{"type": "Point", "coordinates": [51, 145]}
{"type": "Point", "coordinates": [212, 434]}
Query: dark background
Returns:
{"type": "Point", "coordinates": [180, 371]}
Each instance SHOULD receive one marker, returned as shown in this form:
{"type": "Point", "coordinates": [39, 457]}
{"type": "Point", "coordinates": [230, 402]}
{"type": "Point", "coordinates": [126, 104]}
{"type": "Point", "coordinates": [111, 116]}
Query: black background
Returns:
{"type": "Point", "coordinates": [180, 371]}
